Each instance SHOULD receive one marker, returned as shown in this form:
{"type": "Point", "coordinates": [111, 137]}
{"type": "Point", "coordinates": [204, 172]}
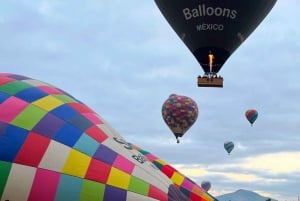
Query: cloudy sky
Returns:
{"type": "Point", "coordinates": [123, 60]}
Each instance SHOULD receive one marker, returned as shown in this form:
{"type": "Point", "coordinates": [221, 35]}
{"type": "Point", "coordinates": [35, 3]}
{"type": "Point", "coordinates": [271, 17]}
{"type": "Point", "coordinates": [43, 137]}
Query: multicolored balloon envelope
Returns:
{"type": "Point", "coordinates": [186, 186]}
{"type": "Point", "coordinates": [251, 115]}
{"type": "Point", "coordinates": [53, 147]}
{"type": "Point", "coordinates": [179, 113]}
{"type": "Point", "coordinates": [214, 29]}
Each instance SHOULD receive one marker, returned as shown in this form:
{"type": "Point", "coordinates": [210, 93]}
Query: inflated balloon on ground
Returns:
{"type": "Point", "coordinates": [54, 147]}
{"type": "Point", "coordinates": [186, 186]}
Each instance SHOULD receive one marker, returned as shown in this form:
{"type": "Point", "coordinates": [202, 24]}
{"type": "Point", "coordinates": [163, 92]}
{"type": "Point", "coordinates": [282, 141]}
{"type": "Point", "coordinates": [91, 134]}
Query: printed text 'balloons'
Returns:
{"type": "Point", "coordinates": [214, 29]}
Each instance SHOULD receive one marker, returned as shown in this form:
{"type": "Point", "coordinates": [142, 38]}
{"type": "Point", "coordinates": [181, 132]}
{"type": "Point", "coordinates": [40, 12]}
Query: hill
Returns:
{"type": "Point", "coordinates": [243, 195]}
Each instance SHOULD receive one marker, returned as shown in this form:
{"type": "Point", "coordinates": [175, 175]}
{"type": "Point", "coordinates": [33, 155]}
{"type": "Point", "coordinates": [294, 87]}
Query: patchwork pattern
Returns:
{"type": "Point", "coordinates": [53, 147]}
{"type": "Point", "coordinates": [186, 186]}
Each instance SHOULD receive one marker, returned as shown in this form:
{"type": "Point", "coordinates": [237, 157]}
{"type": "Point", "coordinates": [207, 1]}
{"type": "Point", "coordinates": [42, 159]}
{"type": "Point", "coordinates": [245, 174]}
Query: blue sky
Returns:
{"type": "Point", "coordinates": [123, 60]}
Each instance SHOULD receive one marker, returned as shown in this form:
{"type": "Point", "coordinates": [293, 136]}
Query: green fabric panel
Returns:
{"type": "Point", "coordinates": [14, 87]}
{"type": "Point", "coordinates": [4, 172]}
{"type": "Point", "coordinates": [92, 190]}
{"type": "Point", "coordinates": [143, 152]}
{"type": "Point", "coordinates": [29, 117]}
{"type": "Point", "coordinates": [64, 98]}
{"type": "Point", "coordinates": [138, 186]}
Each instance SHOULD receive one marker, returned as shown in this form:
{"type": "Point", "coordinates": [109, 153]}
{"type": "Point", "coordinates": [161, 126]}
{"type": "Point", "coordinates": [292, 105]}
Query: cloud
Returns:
{"type": "Point", "coordinates": [275, 163]}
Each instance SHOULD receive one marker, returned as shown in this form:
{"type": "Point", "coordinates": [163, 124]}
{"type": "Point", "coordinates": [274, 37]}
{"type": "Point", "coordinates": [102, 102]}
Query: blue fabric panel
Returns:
{"type": "Point", "coordinates": [11, 142]}
{"type": "Point", "coordinates": [68, 135]}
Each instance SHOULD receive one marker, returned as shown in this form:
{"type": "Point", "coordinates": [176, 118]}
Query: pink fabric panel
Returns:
{"type": "Point", "coordinates": [50, 90]}
{"type": "Point", "coordinates": [44, 186]}
{"type": "Point", "coordinates": [93, 118]}
{"type": "Point", "coordinates": [7, 114]}
{"type": "Point", "coordinates": [123, 164]}
{"type": "Point", "coordinates": [187, 184]}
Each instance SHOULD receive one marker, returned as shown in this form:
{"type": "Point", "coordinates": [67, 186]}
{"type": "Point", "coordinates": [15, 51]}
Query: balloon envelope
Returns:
{"type": "Point", "coordinates": [214, 29]}
{"type": "Point", "coordinates": [186, 185]}
{"type": "Point", "coordinates": [206, 185]}
{"type": "Point", "coordinates": [251, 115]}
{"type": "Point", "coordinates": [54, 147]}
{"type": "Point", "coordinates": [179, 113]}
{"type": "Point", "coordinates": [228, 146]}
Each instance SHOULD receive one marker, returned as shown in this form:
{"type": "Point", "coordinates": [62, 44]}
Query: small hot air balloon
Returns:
{"type": "Point", "coordinates": [251, 115]}
{"type": "Point", "coordinates": [228, 146]}
{"type": "Point", "coordinates": [206, 185]}
{"type": "Point", "coordinates": [213, 29]}
{"type": "Point", "coordinates": [179, 113]}
{"type": "Point", "coordinates": [54, 147]}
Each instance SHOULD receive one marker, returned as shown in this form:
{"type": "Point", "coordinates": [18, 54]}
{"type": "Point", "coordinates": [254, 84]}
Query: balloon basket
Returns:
{"type": "Point", "coordinates": [210, 81]}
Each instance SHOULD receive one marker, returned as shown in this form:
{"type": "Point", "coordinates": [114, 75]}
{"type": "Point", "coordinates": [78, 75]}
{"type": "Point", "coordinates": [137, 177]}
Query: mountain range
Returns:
{"type": "Point", "coordinates": [243, 195]}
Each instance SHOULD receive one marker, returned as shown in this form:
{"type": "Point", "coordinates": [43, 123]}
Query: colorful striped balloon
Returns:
{"type": "Point", "coordinates": [179, 113]}
{"type": "Point", "coordinates": [251, 115]}
{"type": "Point", "coordinates": [228, 146]}
{"type": "Point", "coordinates": [54, 147]}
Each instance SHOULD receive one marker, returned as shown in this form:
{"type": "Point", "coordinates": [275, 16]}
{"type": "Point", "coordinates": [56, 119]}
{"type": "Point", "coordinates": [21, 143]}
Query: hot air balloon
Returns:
{"type": "Point", "coordinates": [180, 113]}
{"type": "Point", "coordinates": [54, 147]}
{"type": "Point", "coordinates": [206, 185]}
{"type": "Point", "coordinates": [251, 115]}
{"type": "Point", "coordinates": [228, 146]}
{"type": "Point", "coordinates": [212, 29]}
{"type": "Point", "coordinates": [185, 185]}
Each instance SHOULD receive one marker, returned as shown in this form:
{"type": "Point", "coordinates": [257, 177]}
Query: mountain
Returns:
{"type": "Point", "coordinates": [243, 195]}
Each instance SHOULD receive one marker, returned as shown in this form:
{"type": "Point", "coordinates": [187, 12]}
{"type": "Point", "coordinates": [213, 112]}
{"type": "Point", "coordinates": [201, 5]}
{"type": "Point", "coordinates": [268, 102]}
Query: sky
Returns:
{"type": "Point", "coordinates": [123, 60]}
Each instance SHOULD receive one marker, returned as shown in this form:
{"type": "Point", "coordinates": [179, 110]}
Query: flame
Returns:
{"type": "Point", "coordinates": [211, 58]}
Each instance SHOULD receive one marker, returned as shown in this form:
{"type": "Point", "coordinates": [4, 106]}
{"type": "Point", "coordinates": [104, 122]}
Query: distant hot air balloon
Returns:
{"type": "Point", "coordinates": [251, 115]}
{"type": "Point", "coordinates": [228, 146]}
{"type": "Point", "coordinates": [185, 185]}
{"type": "Point", "coordinates": [206, 185]}
{"type": "Point", "coordinates": [179, 113]}
{"type": "Point", "coordinates": [214, 29]}
{"type": "Point", "coordinates": [53, 147]}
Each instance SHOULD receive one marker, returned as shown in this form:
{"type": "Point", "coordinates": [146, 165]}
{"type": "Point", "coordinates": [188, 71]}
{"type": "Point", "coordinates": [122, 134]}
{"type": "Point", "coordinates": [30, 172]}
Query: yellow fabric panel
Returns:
{"type": "Point", "coordinates": [118, 178]}
{"type": "Point", "coordinates": [161, 161]}
{"type": "Point", "coordinates": [177, 178]}
{"type": "Point", "coordinates": [48, 103]}
{"type": "Point", "coordinates": [76, 164]}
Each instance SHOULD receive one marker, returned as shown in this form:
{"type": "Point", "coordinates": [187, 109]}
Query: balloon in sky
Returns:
{"type": "Point", "coordinates": [206, 185]}
{"type": "Point", "coordinates": [54, 147]}
{"type": "Point", "coordinates": [186, 186]}
{"type": "Point", "coordinates": [180, 113]}
{"type": "Point", "coordinates": [213, 29]}
{"type": "Point", "coordinates": [251, 115]}
{"type": "Point", "coordinates": [228, 146]}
